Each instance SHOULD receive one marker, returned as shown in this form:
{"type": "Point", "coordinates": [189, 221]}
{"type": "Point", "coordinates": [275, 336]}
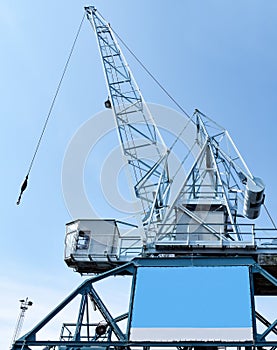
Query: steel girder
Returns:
{"type": "Point", "coordinates": [114, 337]}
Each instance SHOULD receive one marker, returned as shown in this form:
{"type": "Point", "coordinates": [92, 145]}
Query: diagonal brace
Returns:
{"type": "Point", "coordinates": [258, 269]}
{"type": "Point", "coordinates": [105, 313]}
{"type": "Point", "coordinates": [268, 330]}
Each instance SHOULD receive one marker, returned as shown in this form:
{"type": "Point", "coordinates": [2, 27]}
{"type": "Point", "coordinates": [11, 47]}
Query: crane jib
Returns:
{"type": "Point", "coordinates": [140, 139]}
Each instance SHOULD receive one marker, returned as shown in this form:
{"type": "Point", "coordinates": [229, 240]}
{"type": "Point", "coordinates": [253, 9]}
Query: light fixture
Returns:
{"type": "Point", "coordinates": [108, 104]}
{"type": "Point", "coordinates": [101, 329]}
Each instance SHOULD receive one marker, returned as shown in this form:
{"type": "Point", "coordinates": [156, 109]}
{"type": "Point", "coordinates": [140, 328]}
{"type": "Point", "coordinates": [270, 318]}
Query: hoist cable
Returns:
{"type": "Point", "coordinates": [25, 182]}
{"type": "Point", "coordinates": [270, 217]}
{"type": "Point", "coordinates": [159, 84]}
{"type": "Point", "coordinates": [150, 74]}
{"type": "Point", "coordinates": [161, 87]}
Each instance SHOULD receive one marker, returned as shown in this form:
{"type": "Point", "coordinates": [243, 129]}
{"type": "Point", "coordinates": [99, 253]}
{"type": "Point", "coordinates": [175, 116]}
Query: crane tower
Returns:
{"type": "Point", "coordinates": [197, 260]}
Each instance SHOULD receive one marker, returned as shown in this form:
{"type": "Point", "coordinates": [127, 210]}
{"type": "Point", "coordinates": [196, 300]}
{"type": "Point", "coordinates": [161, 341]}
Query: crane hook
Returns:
{"type": "Point", "coordinates": [23, 188]}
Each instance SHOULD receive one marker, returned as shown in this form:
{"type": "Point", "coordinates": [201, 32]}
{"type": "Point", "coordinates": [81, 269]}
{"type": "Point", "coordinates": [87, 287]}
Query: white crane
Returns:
{"type": "Point", "coordinates": [183, 293]}
{"type": "Point", "coordinates": [213, 206]}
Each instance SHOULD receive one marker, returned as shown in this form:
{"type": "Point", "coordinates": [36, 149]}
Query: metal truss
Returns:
{"type": "Point", "coordinates": [216, 180]}
{"type": "Point", "coordinates": [84, 333]}
{"type": "Point", "coordinates": [140, 139]}
{"type": "Point", "coordinates": [212, 210]}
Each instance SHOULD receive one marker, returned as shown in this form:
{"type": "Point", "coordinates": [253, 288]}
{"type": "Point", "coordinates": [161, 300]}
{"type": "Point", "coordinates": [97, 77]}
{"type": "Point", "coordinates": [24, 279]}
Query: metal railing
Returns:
{"type": "Point", "coordinates": [177, 237]}
{"type": "Point", "coordinates": [220, 235]}
{"type": "Point", "coordinates": [130, 246]}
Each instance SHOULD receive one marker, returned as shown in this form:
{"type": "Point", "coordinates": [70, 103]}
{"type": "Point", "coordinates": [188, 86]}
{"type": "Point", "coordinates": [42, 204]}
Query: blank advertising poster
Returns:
{"type": "Point", "coordinates": [191, 304]}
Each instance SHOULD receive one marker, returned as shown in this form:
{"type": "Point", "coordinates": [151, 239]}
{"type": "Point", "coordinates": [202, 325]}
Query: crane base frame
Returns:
{"type": "Point", "coordinates": [114, 337]}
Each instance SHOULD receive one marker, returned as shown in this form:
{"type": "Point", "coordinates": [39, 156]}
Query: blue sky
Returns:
{"type": "Point", "coordinates": [217, 56]}
{"type": "Point", "coordinates": [172, 302]}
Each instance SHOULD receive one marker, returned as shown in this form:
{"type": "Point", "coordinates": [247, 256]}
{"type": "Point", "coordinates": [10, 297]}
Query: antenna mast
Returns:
{"type": "Point", "coordinates": [23, 308]}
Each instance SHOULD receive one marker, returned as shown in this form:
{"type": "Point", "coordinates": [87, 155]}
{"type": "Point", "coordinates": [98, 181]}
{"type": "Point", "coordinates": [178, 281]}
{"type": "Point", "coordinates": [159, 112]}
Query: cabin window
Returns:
{"type": "Point", "coordinates": [83, 240]}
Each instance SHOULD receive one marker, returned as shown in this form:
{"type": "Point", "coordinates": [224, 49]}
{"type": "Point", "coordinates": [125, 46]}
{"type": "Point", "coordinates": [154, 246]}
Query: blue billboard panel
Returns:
{"type": "Point", "coordinates": [192, 303]}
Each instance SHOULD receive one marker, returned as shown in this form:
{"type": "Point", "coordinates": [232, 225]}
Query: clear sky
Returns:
{"type": "Point", "coordinates": [185, 305]}
{"type": "Point", "coordinates": [217, 56]}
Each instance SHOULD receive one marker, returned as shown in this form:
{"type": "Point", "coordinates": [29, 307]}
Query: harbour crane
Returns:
{"type": "Point", "coordinates": [196, 260]}
{"type": "Point", "coordinates": [214, 206]}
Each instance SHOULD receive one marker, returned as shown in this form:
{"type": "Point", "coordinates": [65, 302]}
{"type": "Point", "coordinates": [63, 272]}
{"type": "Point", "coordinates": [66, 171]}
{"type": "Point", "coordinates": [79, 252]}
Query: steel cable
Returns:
{"type": "Point", "coordinates": [25, 182]}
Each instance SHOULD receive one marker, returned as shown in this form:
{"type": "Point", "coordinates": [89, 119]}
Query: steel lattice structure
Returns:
{"type": "Point", "coordinates": [140, 139]}
{"type": "Point", "coordinates": [196, 262]}
{"type": "Point", "coordinates": [84, 334]}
